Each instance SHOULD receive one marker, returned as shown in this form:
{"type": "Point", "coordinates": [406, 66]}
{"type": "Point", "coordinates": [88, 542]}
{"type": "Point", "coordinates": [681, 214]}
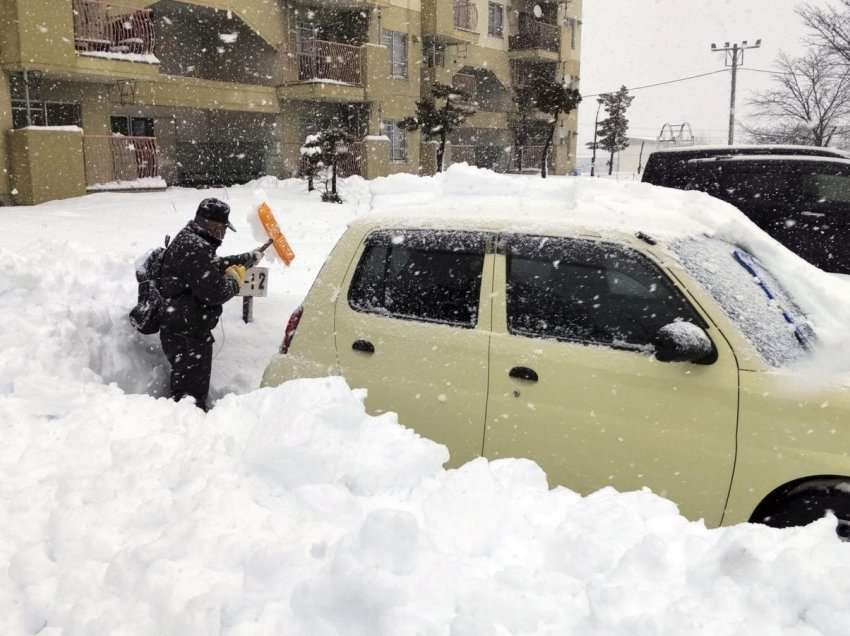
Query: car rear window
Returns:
{"type": "Point", "coordinates": [425, 275]}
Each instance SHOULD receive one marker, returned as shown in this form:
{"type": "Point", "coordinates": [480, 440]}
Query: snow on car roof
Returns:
{"type": "Point", "coordinates": [786, 158]}
{"type": "Point", "coordinates": [469, 197]}
{"type": "Point", "coordinates": [793, 150]}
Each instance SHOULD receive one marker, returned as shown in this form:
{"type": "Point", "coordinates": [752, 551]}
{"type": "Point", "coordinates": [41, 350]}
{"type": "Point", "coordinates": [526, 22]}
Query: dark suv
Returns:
{"type": "Point", "coordinates": [798, 195]}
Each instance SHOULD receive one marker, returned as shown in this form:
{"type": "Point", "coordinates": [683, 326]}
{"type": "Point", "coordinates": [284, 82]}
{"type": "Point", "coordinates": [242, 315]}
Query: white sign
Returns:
{"type": "Point", "coordinates": [256, 283]}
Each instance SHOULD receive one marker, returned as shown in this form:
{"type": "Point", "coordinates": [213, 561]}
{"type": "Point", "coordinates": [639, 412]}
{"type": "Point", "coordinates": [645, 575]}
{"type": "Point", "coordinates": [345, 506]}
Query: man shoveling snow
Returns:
{"type": "Point", "coordinates": [194, 284]}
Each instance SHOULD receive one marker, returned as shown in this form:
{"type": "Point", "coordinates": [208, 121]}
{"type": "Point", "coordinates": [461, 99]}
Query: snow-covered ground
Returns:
{"type": "Point", "coordinates": [292, 511]}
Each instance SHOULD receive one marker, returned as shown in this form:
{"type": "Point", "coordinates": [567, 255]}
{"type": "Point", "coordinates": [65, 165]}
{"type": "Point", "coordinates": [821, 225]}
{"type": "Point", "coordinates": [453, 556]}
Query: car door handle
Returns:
{"type": "Point", "coordinates": [524, 373]}
{"type": "Point", "coordinates": [363, 345]}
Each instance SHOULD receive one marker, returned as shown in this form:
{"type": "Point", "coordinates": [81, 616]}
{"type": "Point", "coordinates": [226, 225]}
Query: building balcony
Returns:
{"type": "Point", "coordinates": [320, 69]}
{"type": "Point", "coordinates": [114, 30]}
{"type": "Point", "coordinates": [535, 38]}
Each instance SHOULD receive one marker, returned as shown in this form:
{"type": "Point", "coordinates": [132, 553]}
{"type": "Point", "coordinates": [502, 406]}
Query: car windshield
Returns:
{"type": "Point", "coordinates": [750, 296]}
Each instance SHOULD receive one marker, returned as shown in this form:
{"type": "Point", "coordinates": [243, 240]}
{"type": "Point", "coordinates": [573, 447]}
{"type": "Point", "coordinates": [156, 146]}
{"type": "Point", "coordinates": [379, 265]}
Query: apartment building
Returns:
{"type": "Point", "coordinates": [136, 94]}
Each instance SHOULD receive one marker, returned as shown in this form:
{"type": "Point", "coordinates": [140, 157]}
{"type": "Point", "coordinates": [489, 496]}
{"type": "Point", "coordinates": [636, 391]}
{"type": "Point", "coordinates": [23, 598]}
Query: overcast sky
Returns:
{"type": "Point", "coordinates": [638, 42]}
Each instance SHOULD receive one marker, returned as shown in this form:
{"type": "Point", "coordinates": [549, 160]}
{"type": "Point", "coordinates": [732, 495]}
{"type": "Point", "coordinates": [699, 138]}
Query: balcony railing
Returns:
{"type": "Point", "coordinates": [102, 27]}
{"type": "Point", "coordinates": [466, 16]}
{"type": "Point", "coordinates": [114, 158]}
{"type": "Point", "coordinates": [534, 34]}
{"type": "Point", "coordinates": [323, 61]}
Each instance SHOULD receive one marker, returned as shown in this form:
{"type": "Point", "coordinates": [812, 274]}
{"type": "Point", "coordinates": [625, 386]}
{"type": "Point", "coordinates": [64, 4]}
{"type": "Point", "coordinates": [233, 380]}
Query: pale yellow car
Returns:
{"type": "Point", "coordinates": [609, 359]}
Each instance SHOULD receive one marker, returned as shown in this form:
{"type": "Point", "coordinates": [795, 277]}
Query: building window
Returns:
{"type": "Point", "coordinates": [396, 42]}
{"type": "Point", "coordinates": [132, 126]}
{"type": "Point", "coordinates": [496, 20]}
{"type": "Point", "coordinates": [398, 141]}
{"type": "Point", "coordinates": [46, 114]}
{"type": "Point", "coordinates": [573, 25]}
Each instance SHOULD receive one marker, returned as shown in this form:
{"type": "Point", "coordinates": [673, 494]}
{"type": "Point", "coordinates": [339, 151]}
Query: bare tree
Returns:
{"type": "Point", "coordinates": [808, 104]}
{"type": "Point", "coordinates": [829, 26]}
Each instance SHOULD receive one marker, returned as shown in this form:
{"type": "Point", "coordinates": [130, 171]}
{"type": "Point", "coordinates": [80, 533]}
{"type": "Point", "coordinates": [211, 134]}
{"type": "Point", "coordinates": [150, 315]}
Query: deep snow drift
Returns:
{"type": "Point", "coordinates": [291, 510]}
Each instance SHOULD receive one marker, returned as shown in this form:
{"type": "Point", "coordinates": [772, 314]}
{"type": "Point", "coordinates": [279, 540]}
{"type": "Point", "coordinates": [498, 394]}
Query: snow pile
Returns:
{"type": "Point", "coordinates": [64, 315]}
{"type": "Point", "coordinates": [292, 511]}
{"type": "Point", "coordinates": [145, 183]}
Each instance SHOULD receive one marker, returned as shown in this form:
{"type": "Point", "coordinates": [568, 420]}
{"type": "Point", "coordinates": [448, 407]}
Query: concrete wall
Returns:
{"type": "Point", "coordinates": [46, 165]}
{"type": "Point", "coordinates": [5, 128]}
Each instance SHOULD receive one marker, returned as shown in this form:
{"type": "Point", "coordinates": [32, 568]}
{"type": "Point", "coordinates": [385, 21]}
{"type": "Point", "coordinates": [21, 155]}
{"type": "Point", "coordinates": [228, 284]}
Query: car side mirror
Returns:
{"type": "Point", "coordinates": [684, 342]}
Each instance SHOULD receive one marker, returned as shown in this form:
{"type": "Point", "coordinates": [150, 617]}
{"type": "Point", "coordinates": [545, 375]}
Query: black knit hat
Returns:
{"type": "Point", "coordinates": [215, 210]}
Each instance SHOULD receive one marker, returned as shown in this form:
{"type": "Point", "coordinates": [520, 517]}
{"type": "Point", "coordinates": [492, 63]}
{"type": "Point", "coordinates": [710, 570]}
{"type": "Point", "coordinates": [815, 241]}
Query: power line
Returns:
{"type": "Point", "coordinates": [788, 73]}
{"type": "Point", "coordinates": [674, 81]}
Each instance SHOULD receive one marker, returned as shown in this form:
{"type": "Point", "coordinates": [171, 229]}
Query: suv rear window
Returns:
{"type": "Point", "coordinates": [431, 276]}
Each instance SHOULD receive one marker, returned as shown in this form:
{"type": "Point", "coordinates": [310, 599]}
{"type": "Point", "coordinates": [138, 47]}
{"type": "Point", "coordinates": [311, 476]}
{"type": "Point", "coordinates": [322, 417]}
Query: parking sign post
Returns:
{"type": "Point", "coordinates": [255, 285]}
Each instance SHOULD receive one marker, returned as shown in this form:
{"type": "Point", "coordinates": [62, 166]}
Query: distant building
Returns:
{"type": "Point", "coordinates": [210, 92]}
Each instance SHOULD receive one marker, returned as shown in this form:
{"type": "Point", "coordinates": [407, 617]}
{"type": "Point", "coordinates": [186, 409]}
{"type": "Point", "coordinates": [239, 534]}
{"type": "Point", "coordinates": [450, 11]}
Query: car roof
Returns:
{"type": "Point", "coordinates": [477, 223]}
{"type": "Point", "coordinates": [772, 158]}
{"type": "Point", "coordinates": [529, 227]}
{"type": "Point", "coordinates": [744, 149]}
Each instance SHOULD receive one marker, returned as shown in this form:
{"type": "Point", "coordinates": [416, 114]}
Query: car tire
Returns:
{"type": "Point", "coordinates": [807, 506]}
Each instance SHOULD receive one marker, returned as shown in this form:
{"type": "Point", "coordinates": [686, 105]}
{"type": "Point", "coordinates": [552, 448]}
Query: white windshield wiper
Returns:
{"type": "Point", "coordinates": [803, 332]}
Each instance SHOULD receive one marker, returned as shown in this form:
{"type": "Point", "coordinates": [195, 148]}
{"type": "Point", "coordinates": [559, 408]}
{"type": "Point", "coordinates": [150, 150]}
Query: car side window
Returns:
{"type": "Point", "coordinates": [589, 292]}
{"type": "Point", "coordinates": [425, 275]}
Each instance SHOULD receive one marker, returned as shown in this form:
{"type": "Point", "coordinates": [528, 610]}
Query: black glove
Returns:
{"type": "Point", "coordinates": [256, 257]}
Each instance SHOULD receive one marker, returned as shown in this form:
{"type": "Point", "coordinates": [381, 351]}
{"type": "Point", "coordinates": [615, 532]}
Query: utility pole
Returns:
{"type": "Point", "coordinates": [734, 59]}
{"type": "Point", "coordinates": [595, 130]}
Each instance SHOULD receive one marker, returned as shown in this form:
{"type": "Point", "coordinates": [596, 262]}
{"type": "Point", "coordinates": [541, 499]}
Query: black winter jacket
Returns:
{"type": "Point", "coordinates": [193, 283]}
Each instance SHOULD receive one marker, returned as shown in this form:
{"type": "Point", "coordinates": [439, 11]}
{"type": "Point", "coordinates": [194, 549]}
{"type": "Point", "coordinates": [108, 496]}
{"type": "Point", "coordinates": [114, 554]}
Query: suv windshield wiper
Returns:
{"type": "Point", "coordinates": [803, 332]}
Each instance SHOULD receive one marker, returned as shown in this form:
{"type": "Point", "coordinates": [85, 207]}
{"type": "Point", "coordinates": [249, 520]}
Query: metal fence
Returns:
{"type": "Point", "coordinates": [113, 158]}
{"type": "Point", "coordinates": [321, 60]}
{"type": "Point", "coordinates": [112, 27]}
{"type": "Point", "coordinates": [352, 163]}
{"type": "Point", "coordinates": [534, 34]}
{"type": "Point", "coordinates": [466, 16]}
{"type": "Point", "coordinates": [510, 159]}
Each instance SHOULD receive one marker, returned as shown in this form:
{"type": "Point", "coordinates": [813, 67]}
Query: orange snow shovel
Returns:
{"type": "Point", "coordinates": [281, 245]}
